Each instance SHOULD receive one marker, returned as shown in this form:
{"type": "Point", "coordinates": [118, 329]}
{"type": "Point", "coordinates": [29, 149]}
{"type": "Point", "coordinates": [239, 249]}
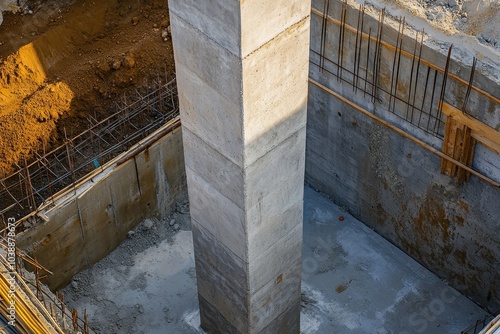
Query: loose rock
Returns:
{"type": "Point", "coordinates": [129, 60]}
{"type": "Point", "coordinates": [103, 70]}
{"type": "Point", "coordinates": [117, 64]}
{"type": "Point", "coordinates": [148, 224]}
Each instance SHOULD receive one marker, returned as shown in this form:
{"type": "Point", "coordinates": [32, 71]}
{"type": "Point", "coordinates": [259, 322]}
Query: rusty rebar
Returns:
{"type": "Point", "coordinates": [443, 89]}
{"type": "Point", "coordinates": [367, 59]}
{"type": "Point", "coordinates": [411, 76]}
{"type": "Point", "coordinates": [324, 26]}
{"type": "Point", "coordinates": [417, 76]}
{"type": "Point", "coordinates": [469, 86]}
{"type": "Point", "coordinates": [395, 60]}
{"type": "Point", "coordinates": [376, 59]}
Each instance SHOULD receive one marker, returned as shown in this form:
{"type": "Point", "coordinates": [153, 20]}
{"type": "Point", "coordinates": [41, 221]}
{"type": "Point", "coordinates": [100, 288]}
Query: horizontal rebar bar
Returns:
{"type": "Point", "coordinates": [403, 133]}
{"type": "Point", "coordinates": [34, 183]}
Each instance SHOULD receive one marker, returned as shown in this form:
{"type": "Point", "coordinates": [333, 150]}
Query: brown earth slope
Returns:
{"type": "Point", "coordinates": [61, 61]}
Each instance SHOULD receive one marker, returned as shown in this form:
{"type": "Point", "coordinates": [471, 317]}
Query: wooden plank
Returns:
{"type": "Point", "coordinates": [478, 127]}
{"type": "Point", "coordinates": [472, 131]}
{"type": "Point", "coordinates": [466, 154]}
{"type": "Point", "coordinates": [471, 157]}
{"type": "Point", "coordinates": [452, 145]}
{"type": "Point", "coordinates": [457, 145]}
{"type": "Point", "coordinates": [444, 162]}
{"type": "Point", "coordinates": [495, 147]}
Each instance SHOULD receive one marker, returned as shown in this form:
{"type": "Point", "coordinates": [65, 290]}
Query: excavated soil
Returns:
{"type": "Point", "coordinates": [478, 18]}
{"type": "Point", "coordinates": [63, 61]}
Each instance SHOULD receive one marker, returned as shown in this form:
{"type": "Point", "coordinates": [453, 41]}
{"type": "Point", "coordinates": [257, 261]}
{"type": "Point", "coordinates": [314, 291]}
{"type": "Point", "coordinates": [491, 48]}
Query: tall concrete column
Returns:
{"type": "Point", "coordinates": [242, 69]}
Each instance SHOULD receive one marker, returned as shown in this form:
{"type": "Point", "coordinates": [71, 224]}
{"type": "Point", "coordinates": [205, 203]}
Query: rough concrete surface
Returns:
{"type": "Point", "coordinates": [249, 116]}
{"type": "Point", "coordinates": [83, 226]}
{"type": "Point", "coordinates": [354, 281]}
{"type": "Point", "coordinates": [146, 284]}
{"type": "Point", "coordinates": [394, 185]}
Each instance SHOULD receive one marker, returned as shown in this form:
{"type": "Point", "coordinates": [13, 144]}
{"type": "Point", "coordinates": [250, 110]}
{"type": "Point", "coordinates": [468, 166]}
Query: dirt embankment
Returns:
{"type": "Point", "coordinates": [29, 107]}
{"type": "Point", "coordinates": [478, 18]}
{"type": "Point", "coordinates": [63, 61]}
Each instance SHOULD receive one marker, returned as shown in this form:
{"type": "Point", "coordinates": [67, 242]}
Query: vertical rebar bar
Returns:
{"type": "Point", "coordinates": [443, 91]}
{"type": "Point", "coordinates": [360, 44]}
{"type": "Point", "coordinates": [417, 76]}
{"type": "Point", "coordinates": [399, 65]}
{"type": "Point", "coordinates": [342, 41]}
{"type": "Point", "coordinates": [324, 27]}
{"type": "Point", "coordinates": [411, 77]}
{"type": "Point", "coordinates": [29, 189]}
{"type": "Point", "coordinates": [432, 100]}
{"type": "Point", "coordinates": [469, 86]}
{"type": "Point", "coordinates": [394, 62]}
{"type": "Point", "coordinates": [354, 65]}
{"type": "Point", "coordinates": [85, 322]}
{"type": "Point", "coordinates": [367, 59]}
{"type": "Point", "coordinates": [424, 95]}
{"type": "Point", "coordinates": [376, 59]}
{"type": "Point", "coordinates": [74, 319]}
{"type": "Point", "coordinates": [62, 304]}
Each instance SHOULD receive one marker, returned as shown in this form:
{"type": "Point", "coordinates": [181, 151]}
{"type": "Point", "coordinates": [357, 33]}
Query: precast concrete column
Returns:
{"type": "Point", "coordinates": [242, 70]}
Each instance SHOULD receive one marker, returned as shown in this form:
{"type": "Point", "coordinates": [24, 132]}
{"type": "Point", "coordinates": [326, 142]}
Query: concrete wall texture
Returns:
{"type": "Point", "coordinates": [395, 186]}
{"type": "Point", "coordinates": [244, 133]}
{"type": "Point", "coordinates": [242, 70]}
{"type": "Point", "coordinates": [83, 229]}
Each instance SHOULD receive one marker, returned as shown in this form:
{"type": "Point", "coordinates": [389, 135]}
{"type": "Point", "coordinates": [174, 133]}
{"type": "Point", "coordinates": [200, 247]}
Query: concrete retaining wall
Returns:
{"type": "Point", "coordinates": [394, 185]}
{"type": "Point", "coordinates": [86, 224]}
